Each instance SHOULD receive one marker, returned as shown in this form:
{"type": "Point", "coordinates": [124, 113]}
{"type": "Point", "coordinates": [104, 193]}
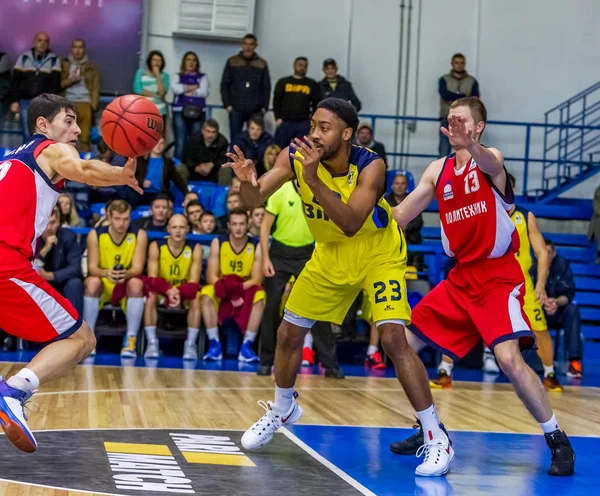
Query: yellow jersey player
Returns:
{"type": "Point", "coordinates": [234, 253]}
{"type": "Point", "coordinates": [176, 261]}
{"type": "Point", "coordinates": [116, 255]}
{"type": "Point", "coordinates": [358, 247]}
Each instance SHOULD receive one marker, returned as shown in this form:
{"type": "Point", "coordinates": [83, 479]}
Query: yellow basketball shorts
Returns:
{"type": "Point", "coordinates": [209, 290]}
{"type": "Point", "coordinates": [532, 308]}
{"type": "Point", "coordinates": [107, 291]}
{"type": "Point", "coordinates": [338, 272]}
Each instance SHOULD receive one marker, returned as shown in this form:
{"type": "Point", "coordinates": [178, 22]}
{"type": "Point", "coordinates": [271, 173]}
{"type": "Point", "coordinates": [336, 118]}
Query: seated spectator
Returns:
{"type": "Point", "coordinates": [177, 263]}
{"type": "Point", "coordinates": [257, 214]}
{"type": "Point", "coordinates": [594, 229]}
{"type": "Point", "coordinates": [335, 86]}
{"type": "Point", "coordinates": [561, 312]}
{"type": "Point", "coordinates": [234, 276]}
{"type": "Point", "coordinates": [155, 173]}
{"type": "Point", "coordinates": [159, 215]}
{"type": "Point", "coordinates": [236, 185]}
{"type": "Point", "coordinates": [109, 156]}
{"type": "Point", "coordinates": [204, 154]}
{"type": "Point", "coordinates": [58, 261]}
{"type": "Point", "coordinates": [234, 201]}
{"type": "Point", "coordinates": [193, 212]}
{"type": "Point", "coordinates": [271, 154]}
{"type": "Point", "coordinates": [190, 89]}
{"type": "Point", "coordinates": [364, 137]}
{"type": "Point", "coordinates": [116, 255]}
{"type": "Point", "coordinates": [37, 71]}
{"type": "Point", "coordinates": [189, 196]}
{"type": "Point", "coordinates": [68, 213]}
{"type": "Point", "coordinates": [208, 222]}
{"type": "Point", "coordinates": [412, 233]}
{"type": "Point", "coordinates": [81, 84]}
{"type": "Point", "coordinates": [254, 142]}
{"type": "Point", "coordinates": [153, 83]}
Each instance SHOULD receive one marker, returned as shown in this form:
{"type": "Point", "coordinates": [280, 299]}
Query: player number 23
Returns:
{"type": "Point", "coordinates": [380, 288]}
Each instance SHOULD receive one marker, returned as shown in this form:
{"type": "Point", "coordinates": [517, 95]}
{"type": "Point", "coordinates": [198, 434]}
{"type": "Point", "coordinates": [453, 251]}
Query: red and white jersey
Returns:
{"type": "Point", "coordinates": [474, 213]}
{"type": "Point", "coordinates": [28, 197]}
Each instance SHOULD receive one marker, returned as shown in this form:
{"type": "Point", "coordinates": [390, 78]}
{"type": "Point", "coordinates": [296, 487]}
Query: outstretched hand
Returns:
{"type": "Point", "coordinates": [242, 167]}
{"type": "Point", "coordinates": [457, 131]}
{"type": "Point", "coordinates": [129, 175]}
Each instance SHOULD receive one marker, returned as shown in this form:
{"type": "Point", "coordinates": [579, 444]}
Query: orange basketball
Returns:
{"type": "Point", "coordinates": [131, 125]}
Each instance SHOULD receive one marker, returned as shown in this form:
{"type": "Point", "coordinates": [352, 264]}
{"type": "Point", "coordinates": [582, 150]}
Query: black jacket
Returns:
{"type": "Point", "coordinates": [169, 173]}
{"type": "Point", "coordinates": [560, 279]}
{"type": "Point", "coordinates": [64, 259]}
{"type": "Point", "coordinates": [246, 84]}
{"type": "Point", "coordinates": [147, 225]}
{"type": "Point", "coordinates": [34, 75]}
{"type": "Point", "coordinates": [254, 150]}
{"type": "Point", "coordinates": [196, 152]}
{"type": "Point", "coordinates": [343, 90]}
{"type": "Point", "coordinates": [412, 233]}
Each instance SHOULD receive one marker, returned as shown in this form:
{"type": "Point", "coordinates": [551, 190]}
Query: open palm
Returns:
{"type": "Point", "coordinates": [129, 175]}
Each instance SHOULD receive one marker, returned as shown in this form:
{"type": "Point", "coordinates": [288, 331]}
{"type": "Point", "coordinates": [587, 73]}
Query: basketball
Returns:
{"type": "Point", "coordinates": [131, 125]}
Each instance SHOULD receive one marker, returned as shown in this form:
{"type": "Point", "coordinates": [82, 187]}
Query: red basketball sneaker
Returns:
{"type": "Point", "coordinates": [308, 357]}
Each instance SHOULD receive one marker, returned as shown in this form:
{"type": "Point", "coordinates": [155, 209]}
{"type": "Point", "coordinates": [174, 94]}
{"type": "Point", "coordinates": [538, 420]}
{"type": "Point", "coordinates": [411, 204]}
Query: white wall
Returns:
{"type": "Point", "coordinates": [528, 56]}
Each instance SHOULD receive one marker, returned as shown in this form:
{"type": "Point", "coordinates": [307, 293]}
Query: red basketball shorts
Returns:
{"type": "Point", "coordinates": [479, 300]}
{"type": "Point", "coordinates": [31, 309]}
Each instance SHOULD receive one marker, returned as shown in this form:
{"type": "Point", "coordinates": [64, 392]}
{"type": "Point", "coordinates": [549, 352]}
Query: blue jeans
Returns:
{"type": "Point", "coordinates": [445, 148]}
{"type": "Point", "coordinates": [72, 290]}
{"type": "Point", "coordinates": [569, 319]}
{"type": "Point", "coordinates": [287, 131]}
{"type": "Point", "coordinates": [237, 119]}
{"type": "Point", "coordinates": [182, 128]}
{"type": "Point", "coordinates": [23, 106]}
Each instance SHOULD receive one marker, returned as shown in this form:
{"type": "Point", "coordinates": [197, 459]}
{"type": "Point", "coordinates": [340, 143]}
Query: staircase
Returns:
{"type": "Point", "coordinates": [571, 143]}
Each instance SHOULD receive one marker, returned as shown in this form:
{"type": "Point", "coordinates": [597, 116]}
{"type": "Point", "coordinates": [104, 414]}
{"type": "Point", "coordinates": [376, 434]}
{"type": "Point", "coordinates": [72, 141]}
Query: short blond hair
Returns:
{"type": "Point", "coordinates": [118, 206]}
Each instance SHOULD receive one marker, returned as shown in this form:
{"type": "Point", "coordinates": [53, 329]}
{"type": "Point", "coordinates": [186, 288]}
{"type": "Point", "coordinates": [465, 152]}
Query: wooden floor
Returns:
{"type": "Point", "coordinates": [122, 397]}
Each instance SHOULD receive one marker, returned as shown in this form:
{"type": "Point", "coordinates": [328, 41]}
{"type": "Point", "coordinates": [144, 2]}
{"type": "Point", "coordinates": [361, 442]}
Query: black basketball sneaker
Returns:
{"type": "Point", "coordinates": [410, 445]}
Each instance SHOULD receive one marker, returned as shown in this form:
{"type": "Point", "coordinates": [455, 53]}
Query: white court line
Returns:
{"type": "Point", "coordinates": [58, 488]}
{"type": "Point", "coordinates": [336, 470]}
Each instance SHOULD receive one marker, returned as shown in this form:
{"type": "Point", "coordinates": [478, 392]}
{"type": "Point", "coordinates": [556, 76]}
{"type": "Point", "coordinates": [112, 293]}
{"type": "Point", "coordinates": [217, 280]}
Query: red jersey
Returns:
{"type": "Point", "coordinates": [474, 213]}
{"type": "Point", "coordinates": [28, 197]}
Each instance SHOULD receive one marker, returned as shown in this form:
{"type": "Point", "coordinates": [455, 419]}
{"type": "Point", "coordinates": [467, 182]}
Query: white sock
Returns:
{"type": "Point", "coordinates": [446, 366]}
{"type": "Point", "coordinates": [548, 370]}
{"type": "Point", "coordinates": [25, 380]}
{"type": "Point", "coordinates": [308, 340]}
{"type": "Point", "coordinates": [151, 333]}
{"type": "Point", "coordinates": [283, 400]}
{"type": "Point", "coordinates": [372, 349]}
{"type": "Point", "coordinates": [192, 335]}
{"type": "Point", "coordinates": [550, 426]}
{"type": "Point", "coordinates": [249, 336]}
{"type": "Point", "coordinates": [91, 309]}
{"type": "Point", "coordinates": [213, 333]}
{"type": "Point", "coordinates": [134, 313]}
{"type": "Point", "coordinates": [430, 423]}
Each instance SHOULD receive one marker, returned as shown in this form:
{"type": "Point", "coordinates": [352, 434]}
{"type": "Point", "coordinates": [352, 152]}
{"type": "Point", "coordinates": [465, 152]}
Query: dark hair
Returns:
{"type": "Point", "coordinates": [513, 181]}
{"type": "Point", "coordinates": [182, 67]}
{"type": "Point", "coordinates": [238, 211]}
{"type": "Point", "coordinates": [78, 39]}
{"type": "Point", "coordinates": [149, 59]}
{"type": "Point", "coordinates": [250, 36]}
{"type": "Point", "coordinates": [161, 196]}
{"type": "Point", "coordinates": [458, 56]}
{"type": "Point", "coordinates": [549, 242]}
{"type": "Point", "coordinates": [213, 124]}
{"type": "Point", "coordinates": [258, 120]}
{"type": "Point", "coordinates": [193, 203]}
{"type": "Point", "coordinates": [475, 104]}
{"type": "Point", "coordinates": [47, 106]}
{"type": "Point", "coordinates": [343, 109]}
{"type": "Point", "coordinates": [300, 58]}
{"type": "Point", "coordinates": [206, 213]}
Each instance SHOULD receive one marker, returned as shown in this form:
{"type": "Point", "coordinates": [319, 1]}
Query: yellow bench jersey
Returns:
{"type": "Point", "coordinates": [175, 269]}
{"type": "Point", "coordinates": [519, 218]}
{"type": "Point", "coordinates": [341, 185]}
{"type": "Point", "coordinates": [231, 262]}
{"type": "Point", "coordinates": [111, 253]}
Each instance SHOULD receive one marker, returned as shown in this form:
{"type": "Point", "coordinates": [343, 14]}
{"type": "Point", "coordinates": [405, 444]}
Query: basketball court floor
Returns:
{"type": "Point", "coordinates": [136, 428]}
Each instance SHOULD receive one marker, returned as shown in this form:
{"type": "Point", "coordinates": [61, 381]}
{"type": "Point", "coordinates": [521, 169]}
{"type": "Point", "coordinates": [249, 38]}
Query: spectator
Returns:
{"type": "Point", "coordinates": [270, 156]}
{"type": "Point", "coordinates": [594, 229]}
{"type": "Point", "coordinates": [412, 233]}
{"type": "Point", "coordinates": [204, 154]}
{"type": "Point", "coordinates": [189, 196]}
{"type": "Point", "coordinates": [81, 84]}
{"type": "Point", "coordinates": [208, 222]}
{"type": "Point", "coordinates": [561, 312]}
{"type": "Point", "coordinates": [364, 137]}
{"type": "Point", "coordinates": [246, 85]}
{"type": "Point", "coordinates": [159, 215]}
{"type": "Point", "coordinates": [234, 201]}
{"type": "Point", "coordinates": [153, 82]}
{"type": "Point", "coordinates": [336, 86]}
{"type": "Point", "coordinates": [4, 81]}
{"type": "Point", "coordinates": [177, 263]}
{"type": "Point", "coordinates": [58, 261]}
{"type": "Point", "coordinates": [102, 194]}
{"type": "Point", "coordinates": [116, 255]}
{"type": "Point", "coordinates": [294, 100]}
{"type": "Point", "coordinates": [37, 71]}
{"type": "Point", "coordinates": [190, 89]}
{"type": "Point", "coordinates": [234, 254]}
{"type": "Point", "coordinates": [193, 212]}
{"type": "Point", "coordinates": [236, 185]}
{"type": "Point", "coordinates": [254, 142]}
{"type": "Point", "coordinates": [109, 156]}
{"type": "Point", "coordinates": [452, 86]}
{"type": "Point", "coordinates": [155, 173]}
{"type": "Point", "coordinates": [257, 214]}
{"type": "Point", "coordinates": [68, 213]}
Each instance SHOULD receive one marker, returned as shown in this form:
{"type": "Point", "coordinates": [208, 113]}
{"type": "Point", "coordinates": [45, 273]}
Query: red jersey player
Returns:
{"type": "Point", "coordinates": [30, 181]}
{"type": "Point", "coordinates": [483, 295]}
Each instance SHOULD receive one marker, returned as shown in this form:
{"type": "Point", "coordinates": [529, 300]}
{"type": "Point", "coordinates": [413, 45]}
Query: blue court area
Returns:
{"type": "Point", "coordinates": [486, 463]}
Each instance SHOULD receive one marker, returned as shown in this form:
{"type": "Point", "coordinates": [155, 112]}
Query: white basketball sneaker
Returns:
{"type": "Point", "coordinates": [438, 457]}
{"type": "Point", "coordinates": [489, 364]}
{"type": "Point", "coordinates": [262, 431]}
{"type": "Point", "coordinates": [152, 350]}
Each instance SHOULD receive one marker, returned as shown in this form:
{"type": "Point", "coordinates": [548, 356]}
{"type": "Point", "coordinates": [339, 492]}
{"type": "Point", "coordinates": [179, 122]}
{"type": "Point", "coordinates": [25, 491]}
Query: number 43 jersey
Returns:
{"type": "Point", "coordinates": [238, 263]}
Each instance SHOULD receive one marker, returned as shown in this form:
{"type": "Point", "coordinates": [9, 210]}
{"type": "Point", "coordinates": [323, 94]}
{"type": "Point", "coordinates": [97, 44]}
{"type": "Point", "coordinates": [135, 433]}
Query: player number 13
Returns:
{"type": "Point", "coordinates": [471, 182]}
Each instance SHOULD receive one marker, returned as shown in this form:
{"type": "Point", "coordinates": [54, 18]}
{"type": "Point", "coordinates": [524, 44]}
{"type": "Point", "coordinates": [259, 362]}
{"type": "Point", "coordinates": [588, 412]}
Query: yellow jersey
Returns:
{"type": "Point", "coordinates": [238, 263]}
{"type": "Point", "coordinates": [175, 269]}
{"type": "Point", "coordinates": [341, 185]}
{"type": "Point", "coordinates": [111, 253]}
{"type": "Point", "coordinates": [519, 218]}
